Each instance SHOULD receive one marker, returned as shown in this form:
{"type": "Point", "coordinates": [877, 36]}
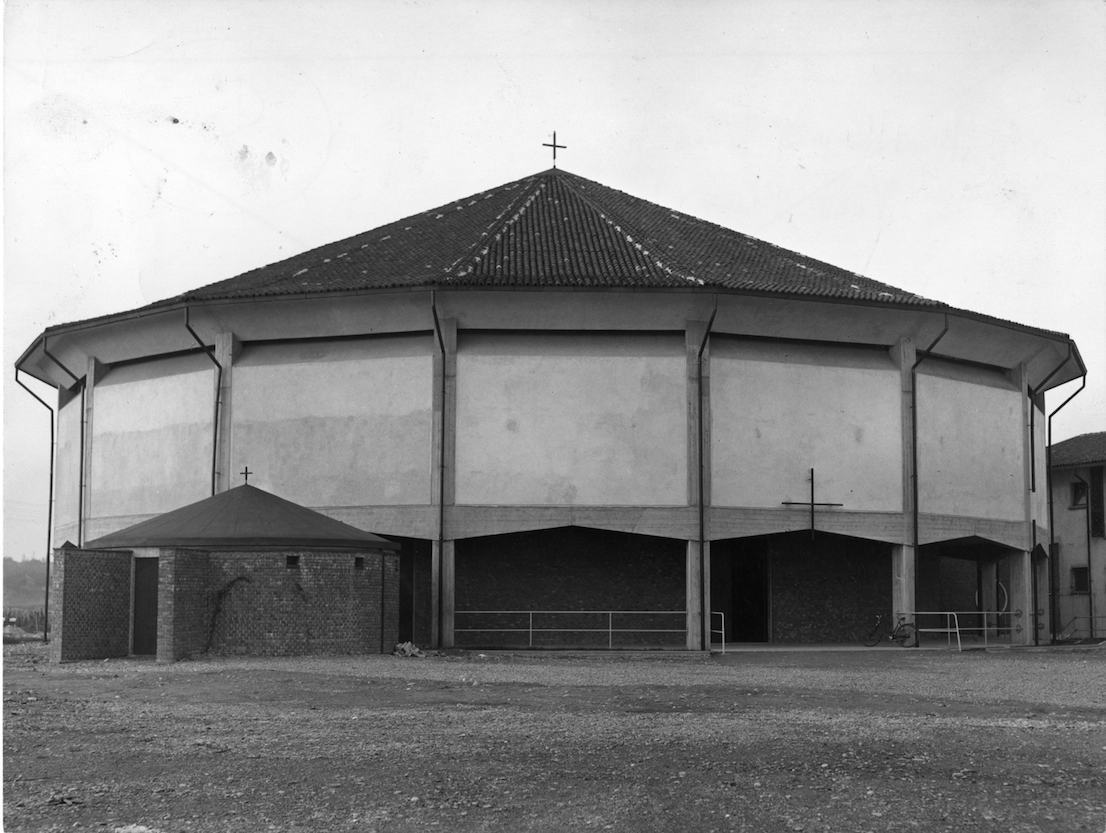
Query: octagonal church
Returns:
{"type": "Point", "coordinates": [586, 420]}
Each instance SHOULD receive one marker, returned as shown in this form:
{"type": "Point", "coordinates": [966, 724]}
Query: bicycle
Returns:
{"type": "Point", "coordinates": [904, 634]}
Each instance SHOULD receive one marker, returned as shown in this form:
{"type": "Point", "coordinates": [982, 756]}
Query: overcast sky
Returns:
{"type": "Point", "coordinates": [952, 149]}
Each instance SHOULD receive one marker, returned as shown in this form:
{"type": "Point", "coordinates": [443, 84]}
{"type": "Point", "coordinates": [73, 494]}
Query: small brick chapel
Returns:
{"type": "Point", "coordinates": [241, 572]}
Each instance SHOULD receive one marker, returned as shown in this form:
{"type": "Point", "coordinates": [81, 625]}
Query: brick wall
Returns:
{"type": "Point", "coordinates": [256, 604]}
{"type": "Point", "coordinates": [90, 614]}
{"type": "Point", "coordinates": [829, 589]}
{"type": "Point", "coordinates": [570, 569]}
{"type": "Point", "coordinates": [182, 604]}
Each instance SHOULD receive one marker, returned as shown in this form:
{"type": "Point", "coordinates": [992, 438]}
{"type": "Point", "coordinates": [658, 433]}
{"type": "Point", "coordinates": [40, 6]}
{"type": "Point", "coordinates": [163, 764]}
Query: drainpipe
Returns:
{"type": "Point", "coordinates": [218, 393]}
{"type": "Point", "coordinates": [49, 510]}
{"type": "Point", "coordinates": [914, 447]}
{"type": "Point", "coordinates": [80, 484]}
{"type": "Point", "coordinates": [441, 460]}
{"type": "Point", "coordinates": [704, 592]}
{"type": "Point", "coordinates": [1054, 564]}
{"type": "Point", "coordinates": [1034, 393]}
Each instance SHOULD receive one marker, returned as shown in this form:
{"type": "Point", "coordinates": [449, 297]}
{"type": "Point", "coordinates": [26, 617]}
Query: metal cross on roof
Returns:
{"type": "Point", "coordinates": [810, 503]}
{"type": "Point", "coordinates": [247, 473]}
{"type": "Point", "coordinates": [554, 146]}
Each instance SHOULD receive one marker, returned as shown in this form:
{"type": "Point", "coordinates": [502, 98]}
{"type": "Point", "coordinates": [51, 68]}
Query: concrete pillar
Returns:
{"type": "Point", "coordinates": [903, 572]}
{"type": "Point", "coordinates": [227, 350]}
{"type": "Point", "coordinates": [449, 588]}
{"type": "Point", "coordinates": [988, 598]}
{"type": "Point", "coordinates": [95, 372]}
{"type": "Point", "coordinates": [1021, 597]}
{"type": "Point", "coordinates": [695, 595]}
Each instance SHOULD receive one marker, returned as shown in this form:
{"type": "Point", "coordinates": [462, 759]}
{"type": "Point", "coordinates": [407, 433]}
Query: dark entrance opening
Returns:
{"type": "Point", "coordinates": [144, 639]}
{"type": "Point", "coordinates": [740, 582]}
{"type": "Point", "coordinates": [415, 590]}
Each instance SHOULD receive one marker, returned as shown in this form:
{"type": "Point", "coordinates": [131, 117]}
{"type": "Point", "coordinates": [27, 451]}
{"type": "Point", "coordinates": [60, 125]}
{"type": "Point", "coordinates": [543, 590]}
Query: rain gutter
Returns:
{"type": "Point", "coordinates": [218, 393]}
{"type": "Point", "coordinates": [704, 633]}
{"type": "Point", "coordinates": [49, 510]}
{"type": "Point", "coordinates": [80, 486]}
{"type": "Point", "coordinates": [441, 464]}
{"type": "Point", "coordinates": [1034, 393]}
{"type": "Point", "coordinates": [914, 443]}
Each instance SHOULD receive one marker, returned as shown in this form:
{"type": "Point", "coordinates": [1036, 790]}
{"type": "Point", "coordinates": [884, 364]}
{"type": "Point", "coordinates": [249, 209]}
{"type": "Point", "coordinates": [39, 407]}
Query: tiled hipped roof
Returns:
{"type": "Point", "coordinates": [548, 230]}
{"type": "Point", "coordinates": [1084, 450]}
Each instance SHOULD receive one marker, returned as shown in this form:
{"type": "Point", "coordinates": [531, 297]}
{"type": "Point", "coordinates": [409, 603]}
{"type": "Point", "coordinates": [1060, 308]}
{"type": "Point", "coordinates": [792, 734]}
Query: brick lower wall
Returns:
{"type": "Point", "coordinates": [570, 569]}
{"type": "Point", "coordinates": [258, 605]}
{"type": "Point", "coordinates": [90, 614]}
{"type": "Point", "coordinates": [182, 604]}
{"type": "Point", "coordinates": [829, 589]}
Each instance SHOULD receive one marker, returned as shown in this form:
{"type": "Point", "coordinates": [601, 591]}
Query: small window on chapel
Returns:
{"type": "Point", "coordinates": [1080, 580]}
{"type": "Point", "coordinates": [292, 562]}
{"type": "Point", "coordinates": [1078, 493]}
{"type": "Point", "coordinates": [359, 562]}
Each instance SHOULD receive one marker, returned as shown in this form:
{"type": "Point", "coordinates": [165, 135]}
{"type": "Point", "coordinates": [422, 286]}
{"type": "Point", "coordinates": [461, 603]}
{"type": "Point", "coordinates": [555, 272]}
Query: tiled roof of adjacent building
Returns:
{"type": "Point", "coordinates": [553, 229]}
{"type": "Point", "coordinates": [1084, 450]}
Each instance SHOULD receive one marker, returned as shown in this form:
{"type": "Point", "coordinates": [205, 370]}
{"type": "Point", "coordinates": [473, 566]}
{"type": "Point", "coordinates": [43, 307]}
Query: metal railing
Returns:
{"type": "Point", "coordinates": [989, 623]}
{"type": "Point", "coordinates": [722, 632]}
{"type": "Point", "coordinates": [1095, 627]}
{"type": "Point", "coordinates": [531, 628]}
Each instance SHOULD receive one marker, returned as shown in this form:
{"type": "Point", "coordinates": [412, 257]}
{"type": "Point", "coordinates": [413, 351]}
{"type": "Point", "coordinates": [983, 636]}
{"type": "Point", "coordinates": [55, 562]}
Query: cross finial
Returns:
{"type": "Point", "coordinates": [247, 473]}
{"type": "Point", "coordinates": [554, 146]}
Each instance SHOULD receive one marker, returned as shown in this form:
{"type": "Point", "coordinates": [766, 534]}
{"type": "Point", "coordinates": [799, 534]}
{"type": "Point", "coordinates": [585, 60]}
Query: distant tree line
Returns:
{"type": "Point", "coordinates": [24, 584]}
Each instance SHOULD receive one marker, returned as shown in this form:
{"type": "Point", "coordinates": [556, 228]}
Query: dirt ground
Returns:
{"type": "Point", "coordinates": [881, 740]}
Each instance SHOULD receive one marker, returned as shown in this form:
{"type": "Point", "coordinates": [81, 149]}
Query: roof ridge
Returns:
{"type": "Point", "coordinates": [534, 187]}
{"type": "Point", "coordinates": [618, 225]}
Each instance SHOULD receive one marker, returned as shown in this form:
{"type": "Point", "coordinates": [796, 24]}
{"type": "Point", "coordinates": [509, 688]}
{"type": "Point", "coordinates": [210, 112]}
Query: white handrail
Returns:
{"type": "Point", "coordinates": [610, 629]}
{"type": "Point", "coordinates": [714, 613]}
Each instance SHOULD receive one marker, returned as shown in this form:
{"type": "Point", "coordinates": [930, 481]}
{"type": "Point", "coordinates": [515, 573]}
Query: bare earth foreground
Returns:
{"type": "Point", "coordinates": [878, 740]}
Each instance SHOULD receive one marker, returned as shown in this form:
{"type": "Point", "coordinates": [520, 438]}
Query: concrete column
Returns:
{"type": "Point", "coordinates": [694, 598]}
{"type": "Point", "coordinates": [449, 587]}
{"type": "Point", "coordinates": [95, 372]}
{"type": "Point", "coordinates": [1021, 597]}
{"type": "Point", "coordinates": [698, 482]}
{"type": "Point", "coordinates": [903, 571]}
{"type": "Point", "coordinates": [227, 350]}
{"type": "Point", "coordinates": [988, 595]}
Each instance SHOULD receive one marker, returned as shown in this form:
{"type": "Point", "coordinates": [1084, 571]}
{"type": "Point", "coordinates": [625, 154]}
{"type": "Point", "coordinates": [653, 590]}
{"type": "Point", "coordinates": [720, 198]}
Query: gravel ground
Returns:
{"type": "Point", "coordinates": [1011, 740]}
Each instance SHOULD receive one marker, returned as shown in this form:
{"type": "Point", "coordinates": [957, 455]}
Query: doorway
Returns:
{"type": "Point", "coordinates": [740, 588]}
{"type": "Point", "coordinates": [144, 633]}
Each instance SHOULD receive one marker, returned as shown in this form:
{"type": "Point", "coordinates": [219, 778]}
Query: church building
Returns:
{"type": "Point", "coordinates": [586, 420]}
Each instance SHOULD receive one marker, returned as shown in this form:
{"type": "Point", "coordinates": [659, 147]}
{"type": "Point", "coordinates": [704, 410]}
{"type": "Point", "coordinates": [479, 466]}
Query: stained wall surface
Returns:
{"type": "Point", "coordinates": [779, 410]}
{"type": "Point", "coordinates": [971, 442]}
{"type": "Point", "coordinates": [152, 435]}
{"type": "Point", "coordinates": [67, 469]}
{"type": "Point", "coordinates": [336, 423]}
{"type": "Point", "coordinates": [571, 419]}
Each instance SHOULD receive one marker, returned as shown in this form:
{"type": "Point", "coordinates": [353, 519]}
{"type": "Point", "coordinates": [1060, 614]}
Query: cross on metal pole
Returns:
{"type": "Point", "coordinates": [247, 472]}
{"type": "Point", "coordinates": [554, 146]}
{"type": "Point", "coordinates": [810, 503]}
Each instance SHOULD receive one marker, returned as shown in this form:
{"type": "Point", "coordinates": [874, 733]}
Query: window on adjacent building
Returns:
{"type": "Point", "coordinates": [1080, 580]}
{"type": "Point", "coordinates": [1078, 493]}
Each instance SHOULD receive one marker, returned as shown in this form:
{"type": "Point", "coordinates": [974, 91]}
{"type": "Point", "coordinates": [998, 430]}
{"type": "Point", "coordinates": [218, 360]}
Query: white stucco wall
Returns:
{"type": "Point", "coordinates": [971, 443]}
{"type": "Point", "coordinates": [67, 470]}
{"type": "Point", "coordinates": [336, 423]}
{"type": "Point", "coordinates": [571, 419]}
{"type": "Point", "coordinates": [152, 437]}
{"type": "Point", "coordinates": [779, 410]}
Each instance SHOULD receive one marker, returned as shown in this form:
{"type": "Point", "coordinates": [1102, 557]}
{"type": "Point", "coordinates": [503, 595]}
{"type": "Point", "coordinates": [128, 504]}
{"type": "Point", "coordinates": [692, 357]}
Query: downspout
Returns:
{"type": "Point", "coordinates": [1054, 564]}
{"type": "Point", "coordinates": [80, 481]}
{"type": "Point", "coordinates": [1034, 393]}
{"type": "Point", "coordinates": [1090, 568]}
{"type": "Point", "coordinates": [914, 447]}
{"type": "Point", "coordinates": [704, 632]}
{"type": "Point", "coordinates": [49, 510]}
{"type": "Point", "coordinates": [218, 393]}
{"type": "Point", "coordinates": [441, 461]}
